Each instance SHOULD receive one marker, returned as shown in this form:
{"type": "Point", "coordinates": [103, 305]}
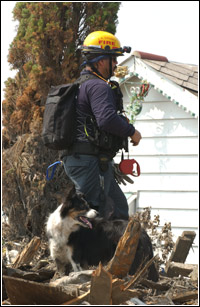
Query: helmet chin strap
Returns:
{"type": "Point", "coordinates": [110, 68]}
{"type": "Point", "coordinates": [96, 70]}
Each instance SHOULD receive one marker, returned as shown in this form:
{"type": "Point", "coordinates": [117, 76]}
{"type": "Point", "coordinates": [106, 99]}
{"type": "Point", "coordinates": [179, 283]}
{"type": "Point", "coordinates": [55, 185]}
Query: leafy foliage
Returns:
{"type": "Point", "coordinates": [44, 53]}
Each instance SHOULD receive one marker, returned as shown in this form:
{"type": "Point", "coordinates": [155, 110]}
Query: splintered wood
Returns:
{"type": "Point", "coordinates": [120, 295]}
{"type": "Point", "coordinates": [24, 292]}
{"type": "Point", "coordinates": [104, 285]}
{"type": "Point", "coordinates": [123, 258]}
{"type": "Point", "coordinates": [175, 265]}
{"type": "Point", "coordinates": [107, 291]}
{"type": "Point", "coordinates": [101, 287]}
{"type": "Point", "coordinates": [182, 246]}
{"type": "Point", "coordinates": [28, 253]}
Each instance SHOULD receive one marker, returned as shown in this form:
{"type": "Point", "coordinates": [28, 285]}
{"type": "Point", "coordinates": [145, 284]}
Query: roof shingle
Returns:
{"type": "Point", "coordinates": [182, 74]}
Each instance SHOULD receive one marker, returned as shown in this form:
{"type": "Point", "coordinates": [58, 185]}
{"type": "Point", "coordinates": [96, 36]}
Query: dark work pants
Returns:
{"type": "Point", "coordinates": [99, 187]}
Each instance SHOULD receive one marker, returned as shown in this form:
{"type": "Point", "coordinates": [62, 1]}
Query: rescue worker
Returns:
{"type": "Point", "coordinates": [101, 128]}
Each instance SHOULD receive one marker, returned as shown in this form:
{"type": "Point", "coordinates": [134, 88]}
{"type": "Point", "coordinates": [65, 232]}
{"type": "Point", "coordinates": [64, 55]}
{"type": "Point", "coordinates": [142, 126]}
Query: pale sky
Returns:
{"type": "Point", "coordinates": [168, 28]}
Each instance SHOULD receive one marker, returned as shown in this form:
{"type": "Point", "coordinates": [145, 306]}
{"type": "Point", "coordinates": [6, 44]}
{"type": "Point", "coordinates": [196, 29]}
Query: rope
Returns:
{"type": "Point", "coordinates": [55, 164]}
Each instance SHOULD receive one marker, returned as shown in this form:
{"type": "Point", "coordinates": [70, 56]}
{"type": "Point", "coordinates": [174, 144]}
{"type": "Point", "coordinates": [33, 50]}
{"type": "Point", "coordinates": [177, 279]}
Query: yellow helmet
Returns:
{"type": "Point", "coordinates": [104, 43]}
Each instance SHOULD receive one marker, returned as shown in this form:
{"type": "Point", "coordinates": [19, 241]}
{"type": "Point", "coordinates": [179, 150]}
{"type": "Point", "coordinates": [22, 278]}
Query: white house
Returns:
{"type": "Point", "coordinates": [168, 151]}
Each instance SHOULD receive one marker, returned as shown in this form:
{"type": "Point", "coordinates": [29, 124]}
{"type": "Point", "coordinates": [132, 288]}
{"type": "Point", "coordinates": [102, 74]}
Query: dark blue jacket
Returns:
{"type": "Point", "coordinates": [96, 98]}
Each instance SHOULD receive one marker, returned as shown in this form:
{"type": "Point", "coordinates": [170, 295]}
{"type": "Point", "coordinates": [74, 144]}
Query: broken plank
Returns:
{"type": "Point", "coordinates": [119, 295]}
{"type": "Point", "coordinates": [123, 258]}
{"type": "Point", "coordinates": [176, 268]}
{"type": "Point", "coordinates": [185, 296]}
{"type": "Point", "coordinates": [182, 246]}
{"type": "Point", "coordinates": [27, 253]}
{"type": "Point", "coordinates": [41, 275]}
{"type": "Point", "coordinates": [101, 287]}
{"type": "Point", "coordinates": [140, 273]}
{"type": "Point", "coordinates": [189, 234]}
{"type": "Point", "coordinates": [161, 285]}
{"type": "Point", "coordinates": [23, 292]}
{"type": "Point", "coordinates": [181, 249]}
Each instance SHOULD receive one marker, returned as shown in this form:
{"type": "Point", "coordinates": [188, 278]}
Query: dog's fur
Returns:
{"type": "Point", "coordinates": [78, 237]}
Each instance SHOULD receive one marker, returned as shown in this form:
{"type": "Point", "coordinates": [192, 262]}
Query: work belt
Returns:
{"type": "Point", "coordinates": [86, 148]}
{"type": "Point", "coordinates": [82, 148]}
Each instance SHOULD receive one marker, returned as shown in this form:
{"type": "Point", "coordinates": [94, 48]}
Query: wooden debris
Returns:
{"type": "Point", "coordinates": [160, 300]}
{"type": "Point", "coordinates": [41, 275]}
{"type": "Point", "coordinates": [78, 299]}
{"type": "Point", "coordinates": [105, 291]}
{"type": "Point", "coordinates": [164, 292]}
{"type": "Point", "coordinates": [120, 294]}
{"type": "Point", "coordinates": [23, 292]}
{"type": "Point", "coordinates": [182, 246]}
{"type": "Point", "coordinates": [194, 274]}
{"type": "Point", "coordinates": [139, 274]}
{"type": "Point", "coordinates": [6, 302]}
{"type": "Point", "coordinates": [104, 285]}
{"type": "Point", "coordinates": [101, 287]}
{"type": "Point", "coordinates": [179, 254]}
{"type": "Point", "coordinates": [73, 278]}
{"type": "Point", "coordinates": [123, 258]}
{"type": "Point", "coordinates": [135, 301]}
{"type": "Point", "coordinates": [161, 285]}
{"type": "Point", "coordinates": [177, 268]}
{"type": "Point", "coordinates": [40, 264]}
{"type": "Point", "coordinates": [119, 297]}
{"type": "Point", "coordinates": [185, 296]}
{"type": "Point", "coordinates": [28, 253]}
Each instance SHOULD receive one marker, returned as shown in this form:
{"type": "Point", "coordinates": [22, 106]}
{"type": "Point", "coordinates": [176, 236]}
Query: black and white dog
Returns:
{"type": "Point", "coordinates": [78, 237]}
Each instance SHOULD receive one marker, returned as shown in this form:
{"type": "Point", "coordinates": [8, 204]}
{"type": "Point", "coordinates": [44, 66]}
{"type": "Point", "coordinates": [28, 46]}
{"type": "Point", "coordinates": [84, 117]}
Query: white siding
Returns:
{"type": "Point", "coordinates": [168, 157]}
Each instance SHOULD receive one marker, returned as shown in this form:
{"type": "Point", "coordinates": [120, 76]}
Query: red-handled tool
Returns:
{"type": "Point", "coordinates": [130, 167]}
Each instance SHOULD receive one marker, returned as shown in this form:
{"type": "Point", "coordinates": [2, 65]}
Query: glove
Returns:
{"type": "Point", "coordinates": [119, 176]}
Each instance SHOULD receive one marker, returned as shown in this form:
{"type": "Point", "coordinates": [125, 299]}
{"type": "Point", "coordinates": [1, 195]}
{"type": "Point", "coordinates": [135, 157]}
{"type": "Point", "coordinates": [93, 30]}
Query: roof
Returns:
{"type": "Point", "coordinates": [184, 75]}
{"type": "Point", "coordinates": [149, 56]}
{"type": "Point", "coordinates": [178, 82]}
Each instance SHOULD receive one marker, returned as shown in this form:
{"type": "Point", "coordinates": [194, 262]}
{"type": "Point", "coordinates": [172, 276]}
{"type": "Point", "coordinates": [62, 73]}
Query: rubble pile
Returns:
{"type": "Point", "coordinates": [30, 278]}
{"type": "Point", "coordinates": [162, 240]}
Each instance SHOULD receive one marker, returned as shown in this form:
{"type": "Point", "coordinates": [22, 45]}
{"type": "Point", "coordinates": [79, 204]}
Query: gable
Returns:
{"type": "Point", "coordinates": [176, 82]}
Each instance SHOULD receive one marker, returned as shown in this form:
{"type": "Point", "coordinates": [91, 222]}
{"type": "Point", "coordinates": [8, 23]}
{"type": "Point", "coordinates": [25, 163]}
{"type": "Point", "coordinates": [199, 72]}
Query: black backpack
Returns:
{"type": "Point", "coordinates": [59, 121]}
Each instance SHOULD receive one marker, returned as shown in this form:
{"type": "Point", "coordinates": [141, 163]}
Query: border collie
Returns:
{"type": "Point", "coordinates": [79, 238]}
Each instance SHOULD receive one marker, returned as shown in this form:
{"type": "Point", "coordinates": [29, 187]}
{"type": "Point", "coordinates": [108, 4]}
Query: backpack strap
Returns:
{"type": "Point", "coordinates": [84, 78]}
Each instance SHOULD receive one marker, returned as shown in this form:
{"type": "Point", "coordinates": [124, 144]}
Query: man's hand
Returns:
{"type": "Point", "coordinates": [135, 138]}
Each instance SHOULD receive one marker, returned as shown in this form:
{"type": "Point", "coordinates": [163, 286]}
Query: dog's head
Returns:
{"type": "Point", "coordinates": [77, 208]}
